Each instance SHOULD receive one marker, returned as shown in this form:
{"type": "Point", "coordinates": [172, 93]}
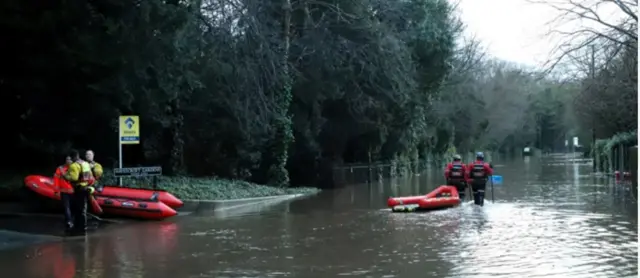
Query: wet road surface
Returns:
{"type": "Point", "coordinates": [551, 218]}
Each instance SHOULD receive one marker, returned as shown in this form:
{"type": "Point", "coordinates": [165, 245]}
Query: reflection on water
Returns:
{"type": "Point", "coordinates": [115, 253]}
{"type": "Point", "coordinates": [550, 219]}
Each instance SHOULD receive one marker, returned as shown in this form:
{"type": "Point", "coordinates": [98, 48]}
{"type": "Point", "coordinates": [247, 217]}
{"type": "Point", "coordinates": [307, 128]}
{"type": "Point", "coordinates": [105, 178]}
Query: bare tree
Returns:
{"type": "Point", "coordinates": [506, 97]}
{"type": "Point", "coordinates": [590, 24]}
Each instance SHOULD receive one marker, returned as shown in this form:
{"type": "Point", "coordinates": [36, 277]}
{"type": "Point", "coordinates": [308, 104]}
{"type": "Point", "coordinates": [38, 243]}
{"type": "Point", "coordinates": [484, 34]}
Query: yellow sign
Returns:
{"type": "Point", "coordinates": [129, 130]}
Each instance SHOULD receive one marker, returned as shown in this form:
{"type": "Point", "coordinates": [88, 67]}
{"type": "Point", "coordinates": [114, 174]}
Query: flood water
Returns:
{"type": "Point", "coordinates": [551, 218]}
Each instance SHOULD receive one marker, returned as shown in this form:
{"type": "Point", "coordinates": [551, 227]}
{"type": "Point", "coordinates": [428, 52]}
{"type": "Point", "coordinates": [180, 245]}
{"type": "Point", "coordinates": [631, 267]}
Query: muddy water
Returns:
{"type": "Point", "coordinates": [551, 218]}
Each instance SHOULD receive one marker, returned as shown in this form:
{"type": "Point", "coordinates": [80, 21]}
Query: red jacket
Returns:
{"type": "Point", "coordinates": [59, 183]}
{"type": "Point", "coordinates": [485, 166]}
{"type": "Point", "coordinates": [449, 168]}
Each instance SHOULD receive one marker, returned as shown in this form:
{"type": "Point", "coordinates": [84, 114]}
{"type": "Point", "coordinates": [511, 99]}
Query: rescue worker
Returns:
{"type": "Point", "coordinates": [455, 174]}
{"type": "Point", "coordinates": [65, 190]}
{"type": "Point", "coordinates": [479, 172]}
{"type": "Point", "coordinates": [96, 168]}
{"type": "Point", "coordinates": [80, 176]}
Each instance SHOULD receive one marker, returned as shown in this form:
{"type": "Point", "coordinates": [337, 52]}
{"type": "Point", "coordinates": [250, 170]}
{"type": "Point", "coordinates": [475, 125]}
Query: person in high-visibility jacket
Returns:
{"type": "Point", "coordinates": [65, 190]}
{"type": "Point", "coordinates": [80, 176]}
{"type": "Point", "coordinates": [455, 174]}
{"type": "Point", "coordinates": [96, 168]}
{"type": "Point", "coordinates": [479, 173]}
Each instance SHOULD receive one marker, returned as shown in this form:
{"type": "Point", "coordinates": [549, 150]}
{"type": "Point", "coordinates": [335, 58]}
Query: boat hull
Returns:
{"type": "Point", "coordinates": [44, 186]}
{"type": "Point", "coordinates": [399, 201]}
{"type": "Point", "coordinates": [445, 196]}
{"type": "Point", "coordinates": [135, 209]}
{"type": "Point", "coordinates": [141, 195]}
{"type": "Point", "coordinates": [147, 206]}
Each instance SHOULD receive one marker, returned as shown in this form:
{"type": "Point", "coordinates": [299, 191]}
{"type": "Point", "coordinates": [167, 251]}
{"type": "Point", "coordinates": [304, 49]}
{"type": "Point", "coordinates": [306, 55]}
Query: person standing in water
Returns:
{"type": "Point", "coordinates": [80, 176]}
{"type": "Point", "coordinates": [96, 168]}
{"type": "Point", "coordinates": [455, 174]}
{"type": "Point", "coordinates": [65, 190]}
{"type": "Point", "coordinates": [479, 173]}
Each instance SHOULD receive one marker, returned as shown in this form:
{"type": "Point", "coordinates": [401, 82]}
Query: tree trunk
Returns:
{"type": "Point", "coordinates": [177, 150]}
{"type": "Point", "coordinates": [278, 174]}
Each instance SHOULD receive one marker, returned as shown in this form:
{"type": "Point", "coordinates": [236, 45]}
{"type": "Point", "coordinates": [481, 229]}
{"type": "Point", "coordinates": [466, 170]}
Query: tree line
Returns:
{"type": "Point", "coordinates": [281, 91]}
{"type": "Point", "coordinates": [600, 58]}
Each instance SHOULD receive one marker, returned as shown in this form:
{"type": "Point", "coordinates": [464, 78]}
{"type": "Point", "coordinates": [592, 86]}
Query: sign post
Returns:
{"type": "Point", "coordinates": [129, 134]}
{"type": "Point", "coordinates": [154, 171]}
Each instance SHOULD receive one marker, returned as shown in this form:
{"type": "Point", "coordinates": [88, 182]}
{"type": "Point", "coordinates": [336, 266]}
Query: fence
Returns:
{"type": "Point", "coordinates": [620, 157]}
{"type": "Point", "coordinates": [365, 173]}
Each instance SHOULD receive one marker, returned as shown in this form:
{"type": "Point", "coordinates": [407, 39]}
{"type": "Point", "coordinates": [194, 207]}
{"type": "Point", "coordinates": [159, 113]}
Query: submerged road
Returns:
{"type": "Point", "coordinates": [551, 218]}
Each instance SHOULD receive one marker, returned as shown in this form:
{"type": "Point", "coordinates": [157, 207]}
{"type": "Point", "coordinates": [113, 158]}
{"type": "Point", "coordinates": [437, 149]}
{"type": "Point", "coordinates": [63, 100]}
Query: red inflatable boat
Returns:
{"type": "Point", "coordinates": [44, 186]}
{"type": "Point", "coordinates": [442, 197]}
{"type": "Point", "coordinates": [136, 209]}
{"type": "Point", "coordinates": [399, 201]}
{"type": "Point", "coordinates": [138, 203]}
{"type": "Point", "coordinates": [445, 196]}
{"type": "Point", "coordinates": [141, 195]}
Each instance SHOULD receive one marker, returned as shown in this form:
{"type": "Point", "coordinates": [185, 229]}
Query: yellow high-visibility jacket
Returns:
{"type": "Point", "coordinates": [96, 168]}
{"type": "Point", "coordinates": [79, 173]}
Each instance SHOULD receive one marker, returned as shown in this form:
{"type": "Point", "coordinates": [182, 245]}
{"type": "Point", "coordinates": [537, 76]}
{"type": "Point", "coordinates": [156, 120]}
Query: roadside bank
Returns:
{"type": "Point", "coordinates": [185, 188]}
{"type": "Point", "coordinates": [221, 208]}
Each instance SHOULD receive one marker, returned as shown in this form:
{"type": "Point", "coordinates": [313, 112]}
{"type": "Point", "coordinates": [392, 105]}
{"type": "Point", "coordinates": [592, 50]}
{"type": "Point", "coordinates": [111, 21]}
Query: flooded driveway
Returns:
{"type": "Point", "coordinates": [551, 218]}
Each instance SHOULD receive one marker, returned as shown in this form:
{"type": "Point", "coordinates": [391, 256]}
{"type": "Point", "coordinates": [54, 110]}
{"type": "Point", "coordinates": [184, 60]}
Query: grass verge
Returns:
{"type": "Point", "coordinates": [181, 187]}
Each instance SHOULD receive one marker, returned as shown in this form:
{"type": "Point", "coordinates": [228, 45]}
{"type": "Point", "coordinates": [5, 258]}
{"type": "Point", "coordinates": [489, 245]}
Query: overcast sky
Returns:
{"type": "Point", "coordinates": [516, 30]}
{"type": "Point", "coordinates": [510, 29]}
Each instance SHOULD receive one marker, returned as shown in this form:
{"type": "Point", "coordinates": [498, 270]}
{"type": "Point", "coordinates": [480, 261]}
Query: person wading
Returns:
{"type": "Point", "coordinates": [479, 173]}
{"type": "Point", "coordinates": [80, 176]}
{"type": "Point", "coordinates": [455, 174]}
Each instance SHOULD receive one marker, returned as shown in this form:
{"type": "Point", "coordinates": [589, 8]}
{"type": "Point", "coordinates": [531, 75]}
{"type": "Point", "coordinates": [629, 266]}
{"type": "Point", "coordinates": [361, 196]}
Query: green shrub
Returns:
{"type": "Point", "coordinates": [186, 187]}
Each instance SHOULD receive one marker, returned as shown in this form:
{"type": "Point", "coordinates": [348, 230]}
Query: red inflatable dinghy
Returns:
{"type": "Point", "coordinates": [141, 195]}
{"type": "Point", "coordinates": [398, 201]}
{"type": "Point", "coordinates": [136, 209]}
{"type": "Point", "coordinates": [444, 196]}
{"type": "Point", "coordinates": [137, 203]}
{"type": "Point", "coordinates": [44, 186]}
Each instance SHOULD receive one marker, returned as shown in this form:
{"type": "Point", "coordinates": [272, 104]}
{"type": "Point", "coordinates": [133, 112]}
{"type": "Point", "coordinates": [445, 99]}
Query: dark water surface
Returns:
{"type": "Point", "coordinates": [551, 218]}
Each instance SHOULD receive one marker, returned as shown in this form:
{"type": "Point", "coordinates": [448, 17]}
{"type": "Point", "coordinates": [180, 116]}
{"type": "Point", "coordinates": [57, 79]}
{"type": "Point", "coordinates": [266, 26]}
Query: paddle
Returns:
{"type": "Point", "coordinates": [497, 180]}
{"type": "Point", "coordinates": [94, 205]}
{"type": "Point", "coordinates": [493, 200]}
{"type": "Point", "coordinates": [95, 217]}
{"type": "Point", "coordinates": [96, 209]}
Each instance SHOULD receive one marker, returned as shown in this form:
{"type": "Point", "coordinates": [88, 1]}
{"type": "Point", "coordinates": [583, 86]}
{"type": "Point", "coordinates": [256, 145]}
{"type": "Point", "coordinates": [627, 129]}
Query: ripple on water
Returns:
{"type": "Point", "coordinates": [538, 241]}
{"type": "Point", "coordinates": [548, 225]}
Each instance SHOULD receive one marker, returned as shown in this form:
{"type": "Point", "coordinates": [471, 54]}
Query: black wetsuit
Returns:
{"type": "Point", "coordinates": [79, 211]}
{"type": "Point", "coordinates": [479, 178]}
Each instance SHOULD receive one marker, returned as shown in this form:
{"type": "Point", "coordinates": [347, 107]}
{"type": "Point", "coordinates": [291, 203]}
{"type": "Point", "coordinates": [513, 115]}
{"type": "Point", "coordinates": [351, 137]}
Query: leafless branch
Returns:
{"type": "Point", "coordinates": [583, 11]}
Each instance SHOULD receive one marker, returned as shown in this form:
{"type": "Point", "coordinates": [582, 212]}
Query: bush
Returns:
{"type": "Point", "coordinates": [184, 187]}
